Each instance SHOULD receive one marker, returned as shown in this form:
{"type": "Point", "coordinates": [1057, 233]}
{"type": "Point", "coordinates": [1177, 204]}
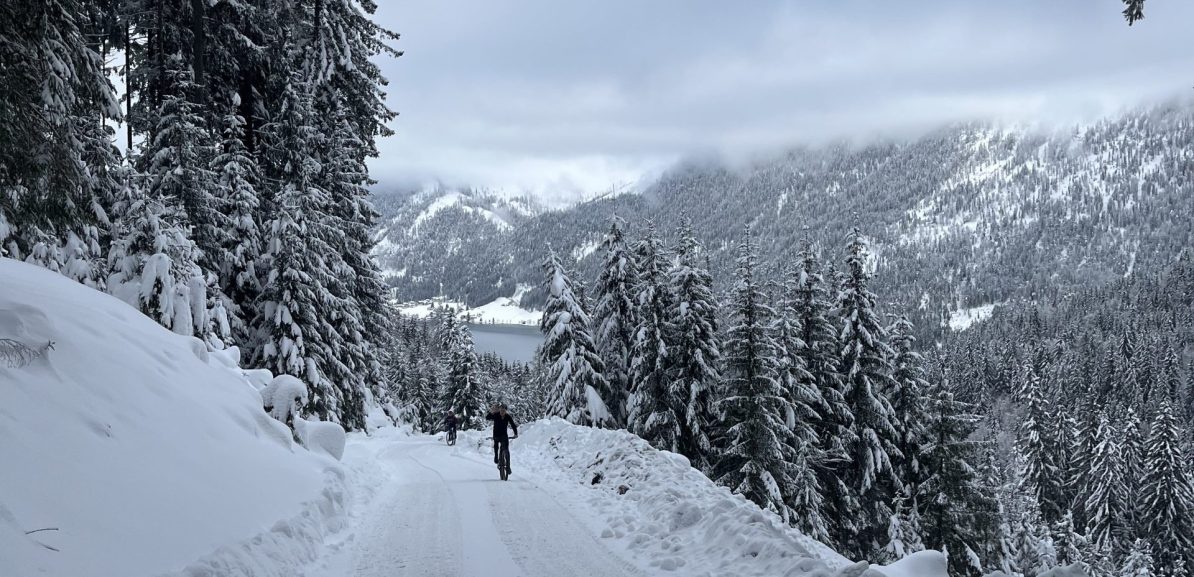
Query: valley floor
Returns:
{"type": "Point", "coordinates": [426, 509]}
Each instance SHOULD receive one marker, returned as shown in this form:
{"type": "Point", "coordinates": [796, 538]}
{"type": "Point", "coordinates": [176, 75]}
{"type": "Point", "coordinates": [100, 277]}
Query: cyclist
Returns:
{"type": "Point", "coordinates": [501, 438]}
{"type": "Point", "coordinates": [450, 427]}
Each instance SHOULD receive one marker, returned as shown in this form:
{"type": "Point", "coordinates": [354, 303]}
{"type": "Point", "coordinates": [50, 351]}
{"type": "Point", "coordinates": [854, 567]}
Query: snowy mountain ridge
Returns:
{"type": "Point", "coordinates": [968, 214]}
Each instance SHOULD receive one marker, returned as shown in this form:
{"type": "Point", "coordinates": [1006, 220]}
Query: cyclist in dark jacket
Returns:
{"type": "Point", "coordinates": [450, 426]}
{"type": "Point", "coordinates": [501, 437]}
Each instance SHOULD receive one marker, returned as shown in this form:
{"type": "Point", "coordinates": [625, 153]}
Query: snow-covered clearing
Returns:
{"type": "Point", "coordinates": [962, 319]}
{"type": "Point", "coordinates": [143, 453]}
{"type": "Point", "coordinates": [501, 311]}
{"type": "Point", "coordinates": [426, 509]}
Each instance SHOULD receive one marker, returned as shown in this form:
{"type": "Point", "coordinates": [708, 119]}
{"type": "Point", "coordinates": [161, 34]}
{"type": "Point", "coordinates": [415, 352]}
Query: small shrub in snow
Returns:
{"type": "Point", "coordinates": [15, 354]}
{"type": "Point", "coordinates": [283, 398]}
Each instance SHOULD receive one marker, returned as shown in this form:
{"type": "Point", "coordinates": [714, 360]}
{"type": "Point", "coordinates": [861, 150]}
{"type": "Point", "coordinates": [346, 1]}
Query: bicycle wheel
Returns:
{"type": "Point", "coordinates": [505, 464]}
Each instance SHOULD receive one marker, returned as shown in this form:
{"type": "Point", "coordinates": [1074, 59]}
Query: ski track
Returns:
{"type": "Point", "coordinates": [446, 515]}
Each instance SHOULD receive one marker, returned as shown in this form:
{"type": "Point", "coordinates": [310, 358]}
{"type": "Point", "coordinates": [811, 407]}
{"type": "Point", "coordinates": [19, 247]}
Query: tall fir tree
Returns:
{"type": "Point", "coordinates": [615, 317]}
{"type": "Point", "coordinates": [1106, 504]}
{"type": "Point", "coordinates": [652, 412]}
{"type": "Point", "coordinates": [297, 308]}
{"type": "Point", "coordinates": [463, 391]}
{"type": "Point", "coordinates": [573, 369]}
{"type": "Point", "coordinates": [1166, 493]}
{"type": "Point", "coordinates": [907, 395]}
{"type": "Point", "coordinates": [818, 347]}
{"type": "Point", "coordinates": [755, 453]}
{"type": "Point", "coordinates": [959, 514]}
{"type": "Point", "coordinates": [694, 347]}
{"type": "Point", "coordinates": [866, 372]}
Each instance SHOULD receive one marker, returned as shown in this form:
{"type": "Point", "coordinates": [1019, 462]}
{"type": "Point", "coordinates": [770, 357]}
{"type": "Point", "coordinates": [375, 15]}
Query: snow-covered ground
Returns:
{"type": "Point", "coordinates": [962, 319]}
{"type": "Point", "coordinates": [427, 509]}
{"type": "Point", "coordinates": [129, 451]}
{"type": "Point", "coordinates": [501, 311]}
{"type": "Point", "coordinates": [139, 452]}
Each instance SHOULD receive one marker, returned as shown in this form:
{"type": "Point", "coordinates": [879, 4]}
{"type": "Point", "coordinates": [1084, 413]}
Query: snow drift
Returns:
{"type": "Point", "coordinates": [140, 452]}
{"type": "Point", "coordinates": [670, 518]}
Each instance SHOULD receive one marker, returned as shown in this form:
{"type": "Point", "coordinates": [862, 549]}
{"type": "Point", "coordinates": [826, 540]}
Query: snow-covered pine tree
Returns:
{"type": "Point", "coordinates": [58, 169]}
{"type": "Point", "coordinates": [1139, 560]}
{"type": "Point", "coordinates": [615, 317]}
{"type": "Point", "coordinates": [573, 371]}
{"type": "Point", "coordinates": [812, 311]}
{"type": "Point", "coordinates": [1041, 475]}
{"type": "Point", "coordinates": [297, 309]}
{"type": "Point", "coordinates": [1132, 458]}
{"type": "Point", "coordinates": [958, 513]}
{"type": "Point", "coordinates": [153, 263]}
{"type": "Point", "coordinates": [795, 380]}
{"type": "Point", "coordinates": [1106, 526]}
{"type": "Point", "coordinates": [652, 412]}
{"type": "Point", "coordinates": [803, 397]}
{"type": "Point", "coordinates": [238, 178]}
{"type": "Point", "coordinates": [1166, 493]}
{"type": "Point", "coordinates": [903, 532]}
{"type": "Point", "coordinates": [755, 455]}
{"type": "Point", "coordinates": [866, 372]}
{"type": "Point", "coordinates": [463, 392]}
{"type": "Point", "coordinates": [907, 396]}
{"type": "Point", "coordinates": [694, 346]}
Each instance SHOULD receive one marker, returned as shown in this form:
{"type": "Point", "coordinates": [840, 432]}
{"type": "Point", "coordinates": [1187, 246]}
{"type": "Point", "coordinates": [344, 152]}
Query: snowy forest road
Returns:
{"type": "Point", "coordinates": [441, 514]}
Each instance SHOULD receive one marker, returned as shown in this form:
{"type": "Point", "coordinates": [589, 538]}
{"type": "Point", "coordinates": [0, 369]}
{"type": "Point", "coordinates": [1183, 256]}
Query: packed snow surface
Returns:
{"type": "Point", "coordinates": [581, 502]}
{"type": "Point", "coordinates": [140, 451]}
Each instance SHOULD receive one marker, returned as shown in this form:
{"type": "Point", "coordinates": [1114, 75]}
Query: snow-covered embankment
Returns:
{"type": "Point", "coordinates": [140, 453]}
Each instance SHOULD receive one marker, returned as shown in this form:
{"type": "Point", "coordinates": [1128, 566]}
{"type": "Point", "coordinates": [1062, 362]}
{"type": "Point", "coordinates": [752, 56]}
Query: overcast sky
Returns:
{"type": "Point", "coordinates": [570, 97]}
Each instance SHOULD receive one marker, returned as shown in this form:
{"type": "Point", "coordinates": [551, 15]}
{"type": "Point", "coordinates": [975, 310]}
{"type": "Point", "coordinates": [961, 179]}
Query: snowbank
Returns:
{"type": "Point", "coordinates": [146, 454]}
{"type": "Point", "coordinates": [668, 516]}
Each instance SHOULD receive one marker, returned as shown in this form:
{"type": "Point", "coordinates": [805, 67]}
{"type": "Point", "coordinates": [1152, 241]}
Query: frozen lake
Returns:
{"type": "Point", "coordinates": [511, 342]}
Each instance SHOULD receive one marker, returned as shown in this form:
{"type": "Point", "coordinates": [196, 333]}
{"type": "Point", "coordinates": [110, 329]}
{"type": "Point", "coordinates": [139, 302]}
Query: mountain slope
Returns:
{"type": "Point", "coordinates": [966, 215]}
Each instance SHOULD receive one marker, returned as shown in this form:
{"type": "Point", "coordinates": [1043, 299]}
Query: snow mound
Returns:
{"type": "Point", "coordinates": [657, 509]}
{"type": "Point", "coordinates": [283, 397]}
{"type": "Point", "coordinates": [146, 454]}
{"type": "Point", "coordinates": [327, 438]}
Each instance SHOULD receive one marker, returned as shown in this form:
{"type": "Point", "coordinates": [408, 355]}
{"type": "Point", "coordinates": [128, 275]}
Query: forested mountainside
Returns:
{"type": "Point", "coordinates": [965, 215]}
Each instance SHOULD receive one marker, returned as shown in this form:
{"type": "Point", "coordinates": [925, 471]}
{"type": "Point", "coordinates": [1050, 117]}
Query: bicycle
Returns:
{"type": "Point", "coordinates": [503, 463]}
{"type": "Point", "coordinates": [451, 438]}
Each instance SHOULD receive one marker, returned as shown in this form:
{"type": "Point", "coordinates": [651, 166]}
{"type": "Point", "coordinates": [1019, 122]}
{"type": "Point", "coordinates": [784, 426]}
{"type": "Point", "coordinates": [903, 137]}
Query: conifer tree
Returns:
{"type": "Point", "coordinates": [818, 347]}
{"type": "Point", "coordinates": [1042, 475]}
{"type": "Point", "coordinates": [1166, 493]}
{"type": "Point", "coordinates": [57, 163]}
{"type": "Point", "coordinates": [297, 307]}
{"type": "Point", "coordinates": [573, 371]}
{"type": "Point", "coordinates": [907, 394]}
{"type": "Point", "coordinates": [1139, 561]}
{"type": "Point", "coordinates": [1106, 526]}
{"type": "Point", "coordinates": [694, 347]}
{"type": "Point", "coordinates": [755, 453]}
{"type": "Point", "coordinates": [958, 513]}
{"type": "Point", "coordinates": [238, 179]}
{"type": "Point", "coordinates": [615, 317]}
{"type": "Point", "coordinates": [652, 412]}
{"type": "Point", "coordinates": [866, 372]}
{"type": "Point", "coordinates": [462, 391]}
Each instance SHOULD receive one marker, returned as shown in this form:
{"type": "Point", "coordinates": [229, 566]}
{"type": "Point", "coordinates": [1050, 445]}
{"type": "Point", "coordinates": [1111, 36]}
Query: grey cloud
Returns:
{"type": "Point", "coordinates": [568, 98]}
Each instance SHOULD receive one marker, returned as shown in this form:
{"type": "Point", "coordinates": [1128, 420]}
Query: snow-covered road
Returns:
{"type": "Point", "coordinates": [431, 511]}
